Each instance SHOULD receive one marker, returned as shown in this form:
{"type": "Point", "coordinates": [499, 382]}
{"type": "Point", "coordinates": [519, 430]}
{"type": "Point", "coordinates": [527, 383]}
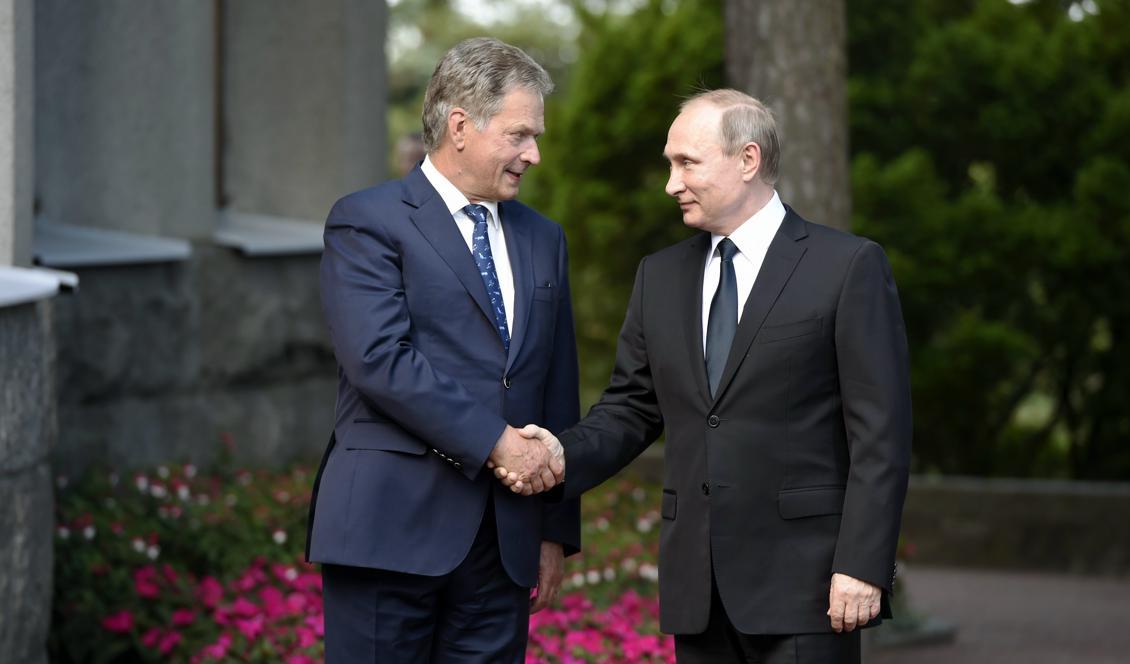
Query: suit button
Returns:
{"type": "Point", "coordinates": [713, 421]}
{"type": "Point", "coordinates": [706, 488]}
{"type": "Point", "coordinates": [458, 465]}
{"type": "Point", "coordinates": [506, 382]}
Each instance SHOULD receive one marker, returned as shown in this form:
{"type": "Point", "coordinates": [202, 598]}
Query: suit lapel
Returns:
{"type": "Point", "coordinates": [435, 223]}
{"type": "Point", "coordinates": [694, 261]}
{"type": "Point", "coordinates": [780, 261]}
{"type": "Point", "coordinates": [519, 247]}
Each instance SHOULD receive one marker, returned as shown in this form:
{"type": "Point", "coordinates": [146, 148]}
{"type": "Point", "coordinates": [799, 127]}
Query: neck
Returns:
{"type": "Point", "coordinates": [759, 197]}
{"type": "Point", "coordinates": [446, 160]}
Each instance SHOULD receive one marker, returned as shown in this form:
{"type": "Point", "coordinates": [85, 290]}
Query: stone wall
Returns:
{"type": "Point", "coordinates": [156, 362]}
{"type": "Point", "coordinates": [27, 430]}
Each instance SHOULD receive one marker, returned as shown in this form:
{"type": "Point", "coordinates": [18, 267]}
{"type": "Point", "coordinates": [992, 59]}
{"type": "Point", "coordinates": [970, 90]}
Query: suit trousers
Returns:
{"type": "Point", "coordinates": [722, 642]}
{"type": "Point", "coordinates": [473, 614]}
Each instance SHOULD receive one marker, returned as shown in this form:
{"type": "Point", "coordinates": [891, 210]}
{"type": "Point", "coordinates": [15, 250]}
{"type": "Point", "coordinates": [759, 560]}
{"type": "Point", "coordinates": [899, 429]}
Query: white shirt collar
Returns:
{"type": "Point", "coordinates": [452, 197]}
{"type": "Point", "coordinates": [755, 234]}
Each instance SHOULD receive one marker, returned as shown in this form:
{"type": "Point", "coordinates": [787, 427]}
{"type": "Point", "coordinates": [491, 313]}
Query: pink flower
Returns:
{"type": "Point", "coordinates": [243, 607]}
{"type": "Point", "coordinates": [182, 617]}
{"type": "Point", "coordinates": [306, 637]}
{"type": "Point", "coordinates": [169, 641]}
{"type": "Point", "coordinates": [317, 623]}
{"type": "Point", "coordinates": [150, 638]}
{"type": "Point", "coordinates": [120, 622]}
{"type": "Point", "coordinates": [251, 628]}
{"type": "Point", "coordinates": [300, 659]}
{"type": "Point", "coordinates": [145, 582]}
{"type": "Point", "coordinates": [219, 649]}
{"type": "Point", "coordinates": [210, 592]}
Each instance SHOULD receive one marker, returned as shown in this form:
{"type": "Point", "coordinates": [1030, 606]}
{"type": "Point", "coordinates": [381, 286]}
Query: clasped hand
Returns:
{"type": "Point", "coordinates": [528, 460]}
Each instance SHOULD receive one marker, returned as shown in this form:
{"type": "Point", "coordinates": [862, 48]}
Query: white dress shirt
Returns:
{"type": "Point", "coordinates": [456, 201]}
{"type": "Point", "coordinates": [752, 239]}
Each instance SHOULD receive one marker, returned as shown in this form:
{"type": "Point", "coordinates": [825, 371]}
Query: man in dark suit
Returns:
{"type": "Point", "coordinates": [787, 419]}
{"type": "Point", "coordinates": [448, 308]}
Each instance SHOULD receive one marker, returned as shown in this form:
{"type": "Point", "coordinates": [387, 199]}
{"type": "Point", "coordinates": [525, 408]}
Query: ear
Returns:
{"type": "Point", "coordinates": [750, 161]}
{"type": "Point", "coordinates": [457, 121]}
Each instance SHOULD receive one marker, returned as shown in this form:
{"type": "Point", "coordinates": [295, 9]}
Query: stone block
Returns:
{"type": "Point", "coordinates": [26, 559]}
{"type": "Point", "coordinates": [26, 391]}
{"type": "Point", "coordinates": [261, 318]}
{"type": "Point", "coordinates": [128, 330]}
{"type": "Point", "coordinates": [125, 115]}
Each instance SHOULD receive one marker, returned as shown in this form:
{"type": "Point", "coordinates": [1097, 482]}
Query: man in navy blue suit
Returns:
{"type": "Point", "coordinates": [448, 308]}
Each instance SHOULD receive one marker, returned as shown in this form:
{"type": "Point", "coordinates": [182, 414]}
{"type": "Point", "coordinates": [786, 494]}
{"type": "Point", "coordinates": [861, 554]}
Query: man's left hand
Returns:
{"type": "Point", "coordinates": [551, 570]}
{"type": "Point", "coordinates": [852, 602]}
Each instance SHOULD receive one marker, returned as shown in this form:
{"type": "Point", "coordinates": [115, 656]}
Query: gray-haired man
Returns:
{"type": "Point", "coordinates": [448, 307]}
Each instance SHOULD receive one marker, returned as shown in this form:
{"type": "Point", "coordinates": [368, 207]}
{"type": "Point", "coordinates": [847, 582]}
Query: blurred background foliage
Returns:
{"type": "Point", "coordinates": [990, 146]}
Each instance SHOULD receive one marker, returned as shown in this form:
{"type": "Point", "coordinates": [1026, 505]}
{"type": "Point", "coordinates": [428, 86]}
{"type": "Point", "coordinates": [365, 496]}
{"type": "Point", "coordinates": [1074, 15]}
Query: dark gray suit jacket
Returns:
{"type": "Point", "coordinates": [798, 468]}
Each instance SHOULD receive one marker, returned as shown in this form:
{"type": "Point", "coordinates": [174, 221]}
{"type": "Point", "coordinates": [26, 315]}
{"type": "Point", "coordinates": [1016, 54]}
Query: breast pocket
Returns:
{"type": "Point", "coordinates": [803, 328]}
{"type": "Point", "coordinates": [544, 292]}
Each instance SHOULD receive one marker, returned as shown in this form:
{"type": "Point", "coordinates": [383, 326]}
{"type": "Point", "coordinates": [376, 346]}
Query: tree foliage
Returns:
{"type": "Point", "coordinates": [992, 160]}
{"type": "Point", "coordinates": [603, 172]}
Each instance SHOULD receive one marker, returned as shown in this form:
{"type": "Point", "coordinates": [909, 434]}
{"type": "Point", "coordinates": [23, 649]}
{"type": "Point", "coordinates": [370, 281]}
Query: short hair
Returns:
{"type": "Point", "coordinates": [745, 120]}
{"type": "Point", "coordinates": [476, 74]}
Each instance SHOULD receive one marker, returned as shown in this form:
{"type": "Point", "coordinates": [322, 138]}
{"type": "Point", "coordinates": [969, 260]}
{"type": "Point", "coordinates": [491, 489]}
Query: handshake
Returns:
{"type": "Point", "coordinates": [528, 460]}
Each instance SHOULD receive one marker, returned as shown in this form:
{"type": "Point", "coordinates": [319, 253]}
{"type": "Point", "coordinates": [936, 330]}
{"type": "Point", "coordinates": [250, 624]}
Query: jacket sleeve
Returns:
{"type": "Point", "coordinates": [626, 419]}
{"type": "Point", "coordinates": [369, 322]}
{"type": "Point", "coordinates": [874, 376]}
{"type": "Point", "coordinates": [561, 521]}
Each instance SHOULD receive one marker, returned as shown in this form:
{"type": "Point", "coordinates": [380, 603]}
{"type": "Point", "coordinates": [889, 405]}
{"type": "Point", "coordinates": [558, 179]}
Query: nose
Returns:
{"type": "Point", "coordinates": [532, 155]}
{"type": "Point", "coordinates": [674, 183]}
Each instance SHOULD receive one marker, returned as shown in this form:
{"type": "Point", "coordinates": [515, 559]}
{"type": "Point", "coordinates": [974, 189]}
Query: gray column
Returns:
{"type": "Point", "coordinates": [125, 111]}
{"type": "Point", "coordinates": [304, 99]}
{"type": "Point", "coordinates": [16, 94]}
{"type": "Point", "coordinates": [27, 431]}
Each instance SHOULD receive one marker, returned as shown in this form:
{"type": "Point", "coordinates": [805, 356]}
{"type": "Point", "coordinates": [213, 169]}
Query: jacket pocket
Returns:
{"type": "Point", "coordinates": [544, 292]}
{"type": "Point", "coordinates": [669, 505]}
{"type": "Point", "coordinates": [381, 436]}
{"type": "Point", "coordinates": [813, 501]}
{"type": "Point", "coordinates": [771, 333]}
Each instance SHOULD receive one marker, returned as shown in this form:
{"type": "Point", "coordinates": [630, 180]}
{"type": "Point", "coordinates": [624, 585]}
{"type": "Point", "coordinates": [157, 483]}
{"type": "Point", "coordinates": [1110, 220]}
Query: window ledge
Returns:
{"type": "Point", "coordinates": [265, 235]}
{"type": "Point", "coordinates": [19, 285]}
{"type": "Point", "coordinates": [65, 245]}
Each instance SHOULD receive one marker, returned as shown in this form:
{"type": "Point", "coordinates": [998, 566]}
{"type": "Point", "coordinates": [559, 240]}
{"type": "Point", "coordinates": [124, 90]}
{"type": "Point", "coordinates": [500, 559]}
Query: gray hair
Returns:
{"type": "Point", "coordinates": [476, 74]}
{"type": "Point", "coordinates": [745, 120]}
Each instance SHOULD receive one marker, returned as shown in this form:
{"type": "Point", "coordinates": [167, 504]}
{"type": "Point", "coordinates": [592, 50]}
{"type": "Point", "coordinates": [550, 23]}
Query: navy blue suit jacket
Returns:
{"type": "Point", "coordinates": [426, 387]}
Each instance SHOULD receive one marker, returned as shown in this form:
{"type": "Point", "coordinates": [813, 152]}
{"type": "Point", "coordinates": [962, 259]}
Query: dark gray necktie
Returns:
{"type": "Point", "coordinates": [723, 321]}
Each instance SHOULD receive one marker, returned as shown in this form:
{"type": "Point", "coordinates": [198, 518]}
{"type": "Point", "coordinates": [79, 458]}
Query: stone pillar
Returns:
{"type": "Point", "coordinates": [304, 103]}
{"type": "Point", "coordinates": [125, 115]}
{"type": "Point", "coordinates": [16, 95]}
{"type": "Point", "coordinates": [27, 432]}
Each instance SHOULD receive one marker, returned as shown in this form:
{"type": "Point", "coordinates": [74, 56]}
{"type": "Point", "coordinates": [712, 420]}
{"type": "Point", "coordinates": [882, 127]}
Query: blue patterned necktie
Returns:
{"type": "Point", "coordinates": [480, 249]}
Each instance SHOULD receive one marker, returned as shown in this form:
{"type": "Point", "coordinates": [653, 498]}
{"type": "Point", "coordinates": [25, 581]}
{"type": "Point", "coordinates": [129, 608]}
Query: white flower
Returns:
{"type": "Point", "coordinates": [153, 551]}
{"type": "Point", "coordinates": [602, 524]}
{"type": "Point", "coordinates": [163, 471]}
{"type": "Point", "coordinates": [184, 493]}
{"type": "Point", "coordinates": [592, 577]}
{"type": "Point", "coordinates": [63, 532]}
{"type": "Point", "coordinates": [158, 491]}
{"type": "Point", "coordinates": [189, 470]}
{"type": "Point", "coordinates": [649, 572]}
{"type": "Point", "coordinates": [279, 536]}
{"type": "Point", "coordinates": [138, 544]}
{"type": "Point", "coordinates": [578, 579]}
{"type": "Point", "coordinates": [643, 525]}
{"type": "Point", "coordinates": [291, 574]}
{"type": "Point", "coordinates": [638, 494]}
{"type": "Point", "coordinates": [609, 574]}
{"type": "Point", "coordinates": [88, 532]}
{"type": "Point", "coordinates": [629, 565]}
{"type": "Point", "coordinates": [142, 483]}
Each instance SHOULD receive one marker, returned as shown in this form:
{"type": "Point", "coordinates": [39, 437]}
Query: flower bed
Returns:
{"type": "Point", "coordinates": [176, 565]}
